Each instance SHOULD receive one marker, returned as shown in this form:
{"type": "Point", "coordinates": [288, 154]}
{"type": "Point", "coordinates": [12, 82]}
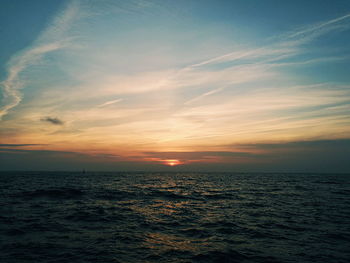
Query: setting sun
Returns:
{"type": "Point", "coordinates": [172, 162]}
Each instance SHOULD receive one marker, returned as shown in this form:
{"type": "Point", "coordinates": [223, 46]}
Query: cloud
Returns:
{"type": "Point", "coordinates": [20, 145]}
{"type": "Point", "coordinates": [296, 156]}
{"type": "Point", "coordinates": [109, 103]}
{"type": "Point", "coordinates": [255, 64]}
{"type": "Point", "coordinates": [66, 161]}
{"type": "Point", "coordinates": [301, 156]}
{"type": "Point", "coordinates": [321, 28]}
{"type": "Point", "coordinates": [197, 156]}
{"type": "Point", "coordinates": [55, 121]}
{"type": "Point", "coordinates": [211, 92]}
{"type": "Point", "coordinates": [325, 145]}
{"type": "Point", "coordinates": [285, 46]}
{"type": "Point", "coordinates": [50, 40]}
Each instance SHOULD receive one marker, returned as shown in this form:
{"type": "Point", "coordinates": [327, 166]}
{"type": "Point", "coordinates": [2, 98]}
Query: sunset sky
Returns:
{"type": "Point", "coordinates": [236, 85]}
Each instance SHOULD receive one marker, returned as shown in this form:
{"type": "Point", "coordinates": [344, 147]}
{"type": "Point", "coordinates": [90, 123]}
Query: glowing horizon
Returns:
{"type": "Point", "coordinates": [179, 83]}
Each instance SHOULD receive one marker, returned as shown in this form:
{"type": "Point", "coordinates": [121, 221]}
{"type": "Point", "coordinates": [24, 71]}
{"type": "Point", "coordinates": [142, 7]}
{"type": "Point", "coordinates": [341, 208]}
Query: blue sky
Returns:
{"type": "Point", "coordinates": [194, 81]}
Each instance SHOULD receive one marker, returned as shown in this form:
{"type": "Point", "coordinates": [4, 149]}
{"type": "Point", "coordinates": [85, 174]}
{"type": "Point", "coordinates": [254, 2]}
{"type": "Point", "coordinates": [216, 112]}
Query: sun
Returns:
{"type": "Point", "coordinates": [172, 162]}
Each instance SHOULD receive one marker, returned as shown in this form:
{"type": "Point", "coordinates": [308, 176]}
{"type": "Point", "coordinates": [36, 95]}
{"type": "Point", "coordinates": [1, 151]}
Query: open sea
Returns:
{"type": "Point", "coordinates": [60, 217]}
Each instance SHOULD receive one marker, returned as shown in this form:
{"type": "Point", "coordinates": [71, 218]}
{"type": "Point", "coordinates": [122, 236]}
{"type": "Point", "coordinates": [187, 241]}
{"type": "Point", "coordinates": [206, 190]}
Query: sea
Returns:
{"type": "Point", "coordinates": [60, 217]}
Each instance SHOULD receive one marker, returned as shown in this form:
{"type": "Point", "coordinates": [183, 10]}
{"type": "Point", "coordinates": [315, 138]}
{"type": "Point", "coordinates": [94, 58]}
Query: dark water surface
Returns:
{"type": "Point", "coordinates": [174, 217]}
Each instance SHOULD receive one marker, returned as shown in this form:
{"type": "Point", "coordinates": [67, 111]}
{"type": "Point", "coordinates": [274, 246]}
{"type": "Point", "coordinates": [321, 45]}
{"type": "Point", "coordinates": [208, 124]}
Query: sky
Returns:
{"type": "Point", "coordinates": [240, 85]}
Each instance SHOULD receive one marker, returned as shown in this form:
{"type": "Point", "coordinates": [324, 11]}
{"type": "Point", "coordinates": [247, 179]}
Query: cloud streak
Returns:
{"type": "Point", "coordinates": [19, 145]}
{"type": "Point", "coordinates": [286, 46]}
{"type": "Point", "coordinates": [50, 40]}
{"type": "Point", "coordinates": [321, 28]}
{"type": "Point", "coordinates": [109, 103]}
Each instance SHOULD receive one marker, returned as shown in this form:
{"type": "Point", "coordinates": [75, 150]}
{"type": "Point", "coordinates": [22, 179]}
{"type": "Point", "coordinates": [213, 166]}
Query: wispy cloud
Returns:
{"type": "Point", "coordinates": [109, 103]}
{"type": "Point", "coordinates": [211, 92]}
{"type": "Point", "coordinates": [50, 40]}
{"type": "Point", "coordinates": [282, 46]}
{"type": "Point", "coordinates": [259, 62]}
{"type": "Point", "coordinates": [314, 30]}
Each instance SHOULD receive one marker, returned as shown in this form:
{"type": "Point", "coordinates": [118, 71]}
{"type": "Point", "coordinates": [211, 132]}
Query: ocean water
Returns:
{"type": "Point", "coordinates": [174, 217]}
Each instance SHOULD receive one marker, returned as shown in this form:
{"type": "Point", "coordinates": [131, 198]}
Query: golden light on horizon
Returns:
{"type": "Point", "coordinates": [172, 162]}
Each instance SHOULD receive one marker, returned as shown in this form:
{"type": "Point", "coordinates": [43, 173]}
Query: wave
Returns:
{"type": "Point", "coordinates": [55, 193]}
{"type": "Point", "coordinates": [67, 217]}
